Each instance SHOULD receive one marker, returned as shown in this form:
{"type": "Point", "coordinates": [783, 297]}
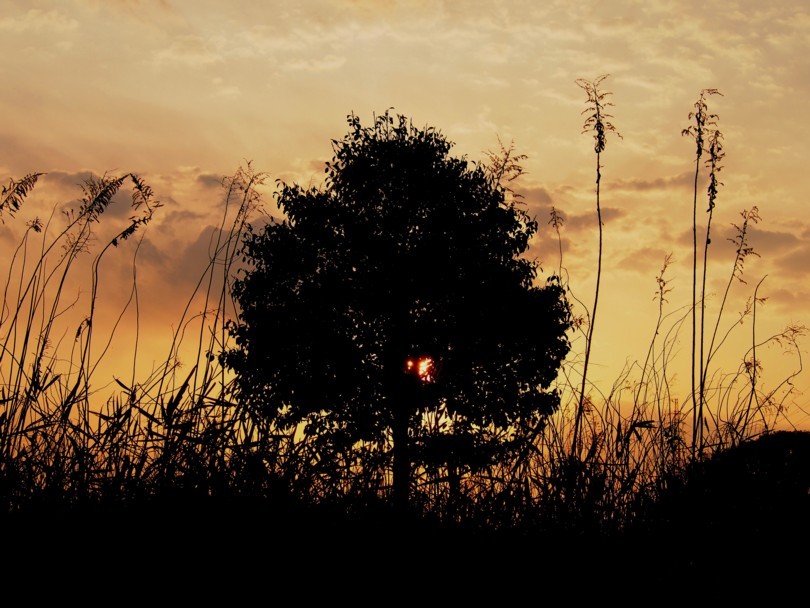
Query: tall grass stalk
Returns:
{"type": "Point", "coordinates": [44, 418]}
{"type": "Point", "coordinates": [704, 123]}
{"type": "Point", "coordinates": [597, 120]}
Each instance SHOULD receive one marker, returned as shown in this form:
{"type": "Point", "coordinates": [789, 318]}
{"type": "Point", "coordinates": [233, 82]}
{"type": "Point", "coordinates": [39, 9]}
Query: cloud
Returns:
{"type": "Point", "coordinates": [587, 221]}
{"type": "Point", "coordinates": [536, 196]}
{"type": "Point", "coordinates": [171, 268]}
{"type": "Point", "coordinates": [682, 180]}
{"type": "Point", "coordinates": [222, 89]}
{"type": "Point", "coordinates": [545, 247]}
{"type": "Point", "coordinates": [209, 180]}
{"type": "Point", "coordinates": [141, 10]}
{"type": "Point", "coordinates": [766, 243]}
{"type": "Point", "coordinates": [796, 263]}
{"type": "Point", "coordinates": [133, 5]}
{"type": "Point", "coordinates": [63, 191]}
{"type": "Point", "coordinates": [644, 260]}
{"type": "Point", "coordinates": [769, 242]}
{"type": "Point", "coordinates": [788, 299]}
{"type": "Point", "coordinates": [9, 237]}
{"type": "Point", "coordinates": [174, 272]}
{"type": "Point", "coordinates": [319, 64]}
{"type": "Point", "coordinates": [38, 21]}
{"type": "Point", "coordinates": [67, 180]}
{"type": "Point", "coordinates": [72, 187]}
{"type": "Point", "coordinates": [189, 51]}
{"type": "Point", "coordinates": [489, 81]}
{"type": "Point", "coordinates": [178, 220]}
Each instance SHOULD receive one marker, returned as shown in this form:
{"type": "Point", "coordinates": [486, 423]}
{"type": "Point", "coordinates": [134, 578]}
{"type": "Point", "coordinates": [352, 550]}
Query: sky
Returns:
{"type": "Point", "coordinates": [185, 92]}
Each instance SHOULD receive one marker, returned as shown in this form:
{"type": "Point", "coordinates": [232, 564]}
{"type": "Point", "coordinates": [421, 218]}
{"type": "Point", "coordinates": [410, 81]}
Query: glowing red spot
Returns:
{"type": "Point", "coordinates": [423, 367]}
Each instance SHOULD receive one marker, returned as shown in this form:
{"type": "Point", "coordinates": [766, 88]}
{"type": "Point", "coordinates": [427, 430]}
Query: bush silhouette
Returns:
{"type": "Point", "coordinates": [752, 490]}
{"type": "Point", "coordinates": [406, 257]}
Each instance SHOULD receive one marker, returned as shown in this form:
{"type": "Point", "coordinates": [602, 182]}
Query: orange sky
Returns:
{"type": "Point", "coordinates": [182, 92]}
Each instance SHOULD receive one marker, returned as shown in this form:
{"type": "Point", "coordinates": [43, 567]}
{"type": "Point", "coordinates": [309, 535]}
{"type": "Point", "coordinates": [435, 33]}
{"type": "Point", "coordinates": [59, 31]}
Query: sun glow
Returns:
{"type": "Point", "coordinates": [422, 367]}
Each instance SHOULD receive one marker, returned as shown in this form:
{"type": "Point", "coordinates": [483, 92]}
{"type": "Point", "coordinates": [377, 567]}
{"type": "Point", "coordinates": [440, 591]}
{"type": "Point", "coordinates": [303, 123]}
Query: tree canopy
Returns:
{"type": "Point", "coordinates": [404, 254]}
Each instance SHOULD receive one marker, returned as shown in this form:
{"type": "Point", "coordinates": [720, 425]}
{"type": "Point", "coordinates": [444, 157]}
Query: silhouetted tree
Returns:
{"type": "Point", "coordinates": [396, 290]}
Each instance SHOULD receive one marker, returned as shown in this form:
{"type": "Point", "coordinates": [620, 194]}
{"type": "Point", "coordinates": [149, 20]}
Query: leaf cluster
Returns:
{"type": "Point", "coordinates": [12, 196]}
{"type": "Point", "coordinates": [704, 121]}
{"type": "Point", "coordinates": [597, 119]}
{"type": "Point", "coordinates": [406, 251]}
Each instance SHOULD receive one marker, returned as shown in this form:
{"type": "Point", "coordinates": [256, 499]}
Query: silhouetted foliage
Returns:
{"type": "Point", "coordinates": [753, 489]}
{"type": "Point", "coordinates": [744, 509]}
{"type": "Point", "coordinates": [406, 252]}
{"type": "Point", "coordinates": [13, 195]}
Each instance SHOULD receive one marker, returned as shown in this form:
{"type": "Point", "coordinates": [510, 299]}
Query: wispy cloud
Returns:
{"type": "Point", "coordinates": [682, 180]}
{"type": "Point", "coordinates": [322, 64]}
{"type": "Point", "coordinates": [795, 263]}
{"type": "Point", "coordinates": [38, 21]}
{"type": "Point", "coordinates": [644, 260]}
{"type": "Point", "coordinates": [189, 51]}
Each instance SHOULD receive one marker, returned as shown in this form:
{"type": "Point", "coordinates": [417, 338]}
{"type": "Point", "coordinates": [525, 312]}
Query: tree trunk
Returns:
{"type": "Point", "coordinates": [402, 462]}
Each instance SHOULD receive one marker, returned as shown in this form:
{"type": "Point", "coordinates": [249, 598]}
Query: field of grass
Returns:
{"type": "Point", "coordinates": [171, 474]}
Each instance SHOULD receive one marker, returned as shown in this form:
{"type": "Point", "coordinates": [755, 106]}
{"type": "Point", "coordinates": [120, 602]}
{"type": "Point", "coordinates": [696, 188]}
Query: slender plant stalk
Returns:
{"type": "Point", "coordinates": [703, 121]}
{"type": "Point", "coordinates": [743, 250]}
{"type": "Point", "coordinates": [754, 362]}
{"type": "Point", "coordinates": [596, 121]}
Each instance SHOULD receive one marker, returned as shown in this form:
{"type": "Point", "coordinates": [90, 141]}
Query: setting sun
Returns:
{"type": "Point", "coordinates": [424, 367]}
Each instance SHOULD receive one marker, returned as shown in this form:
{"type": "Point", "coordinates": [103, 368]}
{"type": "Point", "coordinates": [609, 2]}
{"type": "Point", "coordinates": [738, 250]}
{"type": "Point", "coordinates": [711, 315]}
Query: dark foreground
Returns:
{"type": "Point", "coordinates": [737, 533]}
{"type": "Point", "coordinates": [243, 553]}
